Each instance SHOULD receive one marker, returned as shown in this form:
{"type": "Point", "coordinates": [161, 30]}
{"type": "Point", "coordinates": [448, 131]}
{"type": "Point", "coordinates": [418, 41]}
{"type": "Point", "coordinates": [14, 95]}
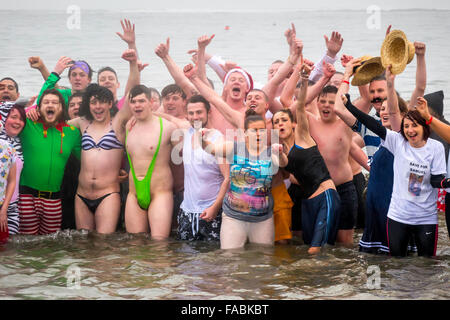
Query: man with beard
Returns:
{"type": "Point", "coordinates": [47, 144]}
{"type": "Point", "coordinates": [205, 180]}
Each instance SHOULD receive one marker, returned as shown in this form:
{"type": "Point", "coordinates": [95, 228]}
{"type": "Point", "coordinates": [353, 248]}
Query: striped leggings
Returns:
{"type": "Point", "coordinates": [39, 216]}
{"type": "Point", "coordinates": [13, 217]}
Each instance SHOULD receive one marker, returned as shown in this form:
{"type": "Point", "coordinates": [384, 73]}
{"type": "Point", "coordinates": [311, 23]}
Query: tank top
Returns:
{"type": "Point", "coordinates": [308, 167]}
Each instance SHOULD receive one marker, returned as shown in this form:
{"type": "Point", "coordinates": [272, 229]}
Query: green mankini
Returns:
{"type": "Point", "coordinates": [45, 153]}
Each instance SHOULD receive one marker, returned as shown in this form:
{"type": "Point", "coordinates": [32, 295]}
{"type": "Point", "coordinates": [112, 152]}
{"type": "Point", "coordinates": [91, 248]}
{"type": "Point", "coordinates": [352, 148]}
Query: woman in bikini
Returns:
{"type": "Point", "coordinates": [97, 203]}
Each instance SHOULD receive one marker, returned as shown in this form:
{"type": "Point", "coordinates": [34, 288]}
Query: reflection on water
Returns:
{"type": "Point", "coordinates": [82, 265]}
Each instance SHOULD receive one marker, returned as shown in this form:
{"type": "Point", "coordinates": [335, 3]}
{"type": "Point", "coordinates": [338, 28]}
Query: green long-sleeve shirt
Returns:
{"type": "Point", "coordinates": [46, 152]}
{"type": "Point", "coordinates": [52, 79]}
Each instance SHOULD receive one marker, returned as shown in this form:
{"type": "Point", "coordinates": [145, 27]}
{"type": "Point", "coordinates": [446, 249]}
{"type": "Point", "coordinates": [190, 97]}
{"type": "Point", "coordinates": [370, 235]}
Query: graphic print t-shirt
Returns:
{"type": "Point", "coordinates": [249, 197]}
{"type": "Point", "coordinates": [413, 198]}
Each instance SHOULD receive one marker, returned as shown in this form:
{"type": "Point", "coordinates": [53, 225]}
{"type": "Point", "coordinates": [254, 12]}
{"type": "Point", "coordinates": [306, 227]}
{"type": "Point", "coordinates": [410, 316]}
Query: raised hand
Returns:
{"type": "Point", "coordinates": [420, 48]}
{"type": "Point", "coordinates": [345, 59]}
{"type": "Point", "coordinates": [36, 62]}
{"type": "Point", "coordinates": [190, 71]}
{"type": "Point", "coordinates": [328, 70]}
{"type": "Point", "coordinates": [194, 55]}
{"type": "Point", "coordinates": [422, 107]}
{"type": "Point", "coordinates": [204, 41]}
{"type": "Point", "coordinates": [129, 35]}
{"type": "Point", "coordinates": [390, 78]}
{"type": "Point", "coordinates": [229, 65]}
{"type": "Point", "coordinates": [290, 35]}
{"type": "Point", "coordinates": [141, 65]}
{"type": "Point", "coordinates": [162, 50]}
{"type": "Point", "coordinates": [351, 66]}
{"type": "Point", "coordinates": [334, 44]}
{"type": "Point", "coordinates": [63, 63]}
{"type": "Point", "coordinates": [130, 55]}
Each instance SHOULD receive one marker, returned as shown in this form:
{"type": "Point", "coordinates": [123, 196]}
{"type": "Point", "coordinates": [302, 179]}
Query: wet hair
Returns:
{"type": "Point", "coordinates": [199, 98]}
{"type": "Point", "coordinates": [75, 95]}
{"type": "Point", "coordinates": [90, 69]}
{"type": "Point", "coordinates": [153, 90]}
{"type": "Point", "coordinates": [102, 94]}
{"type": "Point", "coordinates": [107, 69]}
{"type": "Point", "coordinates": [14, 81]}
{"type": "Point", "coordinates": [415, 116]}
{"type": "Point", "coordinates": [21, 111]}
{"type": "Point", "coordinates": [326, 90]}
{"type": "Point", "coordinates": [285, 111]}
{"type": "Point", "coordinates": [252, 116]}
{"type": "Point", "coordinates": [61, 101]}
{"type": "Point", "coordinates": [140, 89]}
{"type": "Point", "coordinates": [339, 72]}
{"type": "Point", "coordinates": [259, 90]}
{"type": "Point", "coordinates": [173, 89]}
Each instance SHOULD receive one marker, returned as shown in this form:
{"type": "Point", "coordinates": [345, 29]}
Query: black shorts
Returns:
{"type": "Point", "coordinates": [349, 205]}
{"type": "Point", "coordinates": [191, 227]}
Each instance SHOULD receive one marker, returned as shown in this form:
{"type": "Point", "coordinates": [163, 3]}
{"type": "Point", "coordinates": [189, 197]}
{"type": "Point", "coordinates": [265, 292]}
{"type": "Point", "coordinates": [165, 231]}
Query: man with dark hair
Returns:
{"type": "Point", "coordinates": [47, 145]}
{"type": "Point", "coordinates": [148, 142]}
{"type": "Point", "coordinates": [9, 90]}
{"type": "Point", "coordinates": [334, 140]}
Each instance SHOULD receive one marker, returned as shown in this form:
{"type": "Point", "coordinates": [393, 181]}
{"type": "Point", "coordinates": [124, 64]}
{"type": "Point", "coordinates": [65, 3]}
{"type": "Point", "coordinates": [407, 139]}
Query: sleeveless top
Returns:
{"type": "Point", "coordinates": [308, 167]}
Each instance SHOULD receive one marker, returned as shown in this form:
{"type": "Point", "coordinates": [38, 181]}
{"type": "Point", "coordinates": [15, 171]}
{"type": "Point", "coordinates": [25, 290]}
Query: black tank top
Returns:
{"type": "Point", "coordinates": [308, 167]}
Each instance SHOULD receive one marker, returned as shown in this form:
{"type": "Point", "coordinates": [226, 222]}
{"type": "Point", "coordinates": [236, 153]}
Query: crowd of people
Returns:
{"type": "Point", "coordinates": [261, 164]}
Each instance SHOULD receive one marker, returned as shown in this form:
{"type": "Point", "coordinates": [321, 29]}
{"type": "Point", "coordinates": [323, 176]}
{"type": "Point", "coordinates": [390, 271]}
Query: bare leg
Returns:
{"type": "Point", "coordinates": [84, 218]}
{"type": "Point", "coordinates": [136, 220]}
{"type": "Point", "coordinates": [160, 215]}
{"type": "Point", "coordinates": [107, 214]}
{"type": "Point", "coordinates": [345, 237]}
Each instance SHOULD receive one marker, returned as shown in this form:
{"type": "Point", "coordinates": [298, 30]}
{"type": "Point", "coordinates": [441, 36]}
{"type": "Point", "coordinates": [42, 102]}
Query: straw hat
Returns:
{"type": "Point", "coordinates": [397, 51]}
{"type": "Point", "coordinates": [370, 68]}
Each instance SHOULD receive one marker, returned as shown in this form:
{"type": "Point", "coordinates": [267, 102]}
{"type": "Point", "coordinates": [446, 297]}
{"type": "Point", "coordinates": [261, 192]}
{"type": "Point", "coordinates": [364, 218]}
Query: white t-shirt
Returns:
{"type": "Point", "coordinates": [413, 198]}
{"type": "Point", "coordinates": [202, 175]}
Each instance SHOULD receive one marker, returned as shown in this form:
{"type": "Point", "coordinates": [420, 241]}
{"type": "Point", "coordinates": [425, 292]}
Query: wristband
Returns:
{"type": "Point", "coordinates": [428, 122]}
{"type": "Point", "coordinates": [345, 81]}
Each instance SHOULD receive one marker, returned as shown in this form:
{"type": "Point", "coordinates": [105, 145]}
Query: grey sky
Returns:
{"type": "Point", "coordinates": [234, 5]}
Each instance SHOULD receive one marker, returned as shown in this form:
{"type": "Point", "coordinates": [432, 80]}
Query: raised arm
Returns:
{"type": "Point", "coordinates": [339, 106]}
{"type": "Point", "coordinates": [37, 63]}
{"type": "Point", "coordinates": [302, 128]}
{"type": "Point", "coordinates": [421, 74]}
{"type": "Point", "coordinates": [203, 42]}
{"type": "Point", "coordinates": [162, 51]}
{"type": "Point", "coordinates": [134, 76]}
{"type": "Point", "coordinates": [63, 63]}
{"type": "Point", "coordinates": [372, 124]}
{"type": "Point", "coordinates": [393, 110]}
{"type": "Point", "coordinates": [328, 71]}
{"type": "Point", "coordinates": [271, 87]}
{"type": "Point", "coordinates": [232, 116]}
{"type": "Point", "coordinates": [441, 128]}
{"type": "Point", "coordinates": [334, 45]}
{"type": "Point", "coordinates": [129, 34]}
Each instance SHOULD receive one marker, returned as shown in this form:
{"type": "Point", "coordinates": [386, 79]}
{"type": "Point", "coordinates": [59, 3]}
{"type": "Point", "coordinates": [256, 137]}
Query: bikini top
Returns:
{"type": "Point", "coordinates": [107, 142]}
